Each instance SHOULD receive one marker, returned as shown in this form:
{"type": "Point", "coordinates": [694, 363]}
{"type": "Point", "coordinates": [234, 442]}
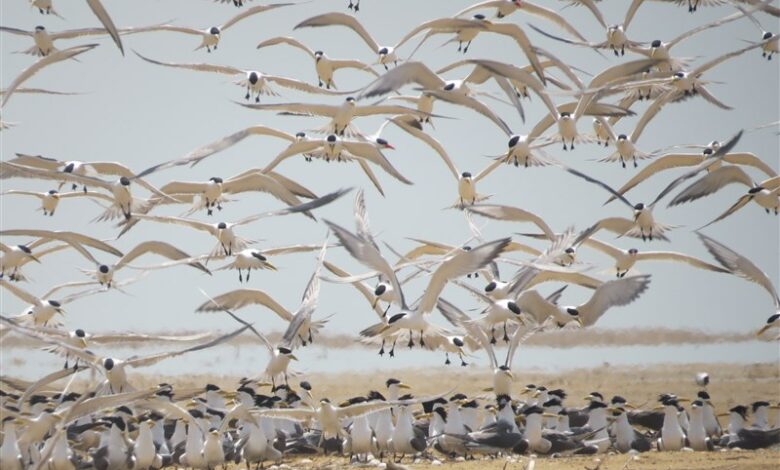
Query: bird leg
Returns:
{"type": "Point", "coordinates": [492, 335]}
{"type": "Point", "coordinates": [462, 362]}
{"type": "Point", "coordinates": [392, 350]}
{"type": "Point", "coordinates": [460, 46]}
{"type": "Point", "coordinates": [311, 338]}
{"type": "Point", "coordinates": [447, 359]}
{"type": "Point", "coordinates": [466, 49]}
{"type": "Point", "coordinates": [422, 341]}
{"type": "Point", "coordinates": [506, 336]}
{"type": "Point", "coordinates": [388, 308]}
{"type": "Point", "coordinates": [248, 270]}
{"type": "Point", "coordinates": [382, 349]}
{"type": "Point", "coordinates": [74, 186]}
{"type": "Point", "coordinates": [411, 342]}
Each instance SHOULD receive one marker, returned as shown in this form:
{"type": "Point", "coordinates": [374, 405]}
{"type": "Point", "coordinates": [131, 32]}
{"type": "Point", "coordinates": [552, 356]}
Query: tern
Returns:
{"type": "Point", "coordinates": [104, 273]}
{"type": "Point", "coordinates": [766, 193]}
{"type": "Point", "coordinates": [341, 115]}
{"type": "Point", "coordinates": [643, 224]}
{"type": "Point", "coordinates": [386, 54]}
{"type": "Point", "coordinates": [44, 40]}
{"type": "Point", "coordinates": [505, 8]}
{"type": "Point", "coordinates": [253, 258]}
{"type": "Point", "coordinates": [41, 310]}
{"type": "Point", "coordinates": [223, 231]}
{"type": "Point", "coordinates": [210, 37]}
{"type": "Point", "coordinates": [256, 83]}
{"type": "Point", "coordinates": [626, 259]}
{"type": "Point", "coordinates": [50, 200]}
{"type": "Point", "coordinates": [617, 38]}
{"type": "Point", "coordinates": [460, 264]}
{"type": "Point", "coordinates": [212, 193]}
{"type": "Point", "coordinates": [769, 48]}
{"type": "Point", "coordinates": [324, 65]}
{"type": "Point", "coordinates": [676, 160]}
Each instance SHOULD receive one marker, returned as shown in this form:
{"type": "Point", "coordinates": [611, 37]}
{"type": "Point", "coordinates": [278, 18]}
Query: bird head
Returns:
{"type": "Point", "coordinates": [124, 181]}
{"type": "Point", "coordinates": [214, 30]}
{"type": "Point", "coordinates": [384, 144]}
{"type": "Point", "coordinates": [253, 77]}
{"type": "Point", "coordinates": [216, 179]}
{"type": "Point", "coordinates": [513, 307]}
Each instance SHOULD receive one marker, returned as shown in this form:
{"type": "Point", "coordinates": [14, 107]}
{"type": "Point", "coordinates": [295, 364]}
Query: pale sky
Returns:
{"type": "Point", "coordinates": [140, 114]}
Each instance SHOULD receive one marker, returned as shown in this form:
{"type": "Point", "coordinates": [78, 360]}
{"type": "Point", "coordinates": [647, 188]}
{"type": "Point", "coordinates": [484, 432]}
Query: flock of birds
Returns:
{"type": "Point", "coordinates": [113, 425]}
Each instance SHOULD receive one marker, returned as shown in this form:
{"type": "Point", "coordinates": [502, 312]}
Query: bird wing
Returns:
{"type": "Point", "coordinates": [750, 159]}
{"type": "Point", "coordinates": [20, 293]}
{"type": "Point", "coordinates": [155, 358]}
{"type": "Point", "coordinates": [740, 265]}
{"type": "Point", "coordinates": [31, 172]}
{"type": "Point", "coordinates": [140, 338]}
{"type": "Point", "coordinates": [514, 214]}
{"type": "Point", "coordinates": [734, 208]}
{"type": "Point", "coordinates": [71, 238]}
{"type": "Point", "coordinates": [290, 41]}
{"type": "Point", "coordinates": [184, 187]}
{"type": "Point", "coordinates": [516, 33]}
{"type": "Point", "coordinates": [712, 182]}
{"type": "Point", "coordinates": [294, 187]}
{"type": "Point", "coordinates": [197, 225]}
{"type": "Point", "coordinates": [20, 32]}
{"type": "Point", "coordinates": [368, 151]}
{"type": "Point", "coordinates": [240, 298]}
{"type": "Point", "coordinates": [45, 380]}
{"type": "Point", "coordinates": [532, 303]}
{"type": "Point", "coordinates": [300, 85]}
{"type": "Point", "coordinates": [340, 19]}
{"type": "Point", "coordinates": [364, 289]}
{"type": "Point", "coordinates": [303, 146]}
{"type": "Point", "coordinates": [295, 414]}
{"type": "Point", "coordinates": [462, 263]}
{"type": "Point", "coordinates": [612, 294]}
{"type": "Point", "coordinates": [571, 277]}
{"type": "Point", "coordinates": [362, 224]}
{"type": "Point", "coordinates": [225, 69]}
{"type": "Point", "coordinates": [368, 254]}
{"type": "Point", "coordinates": [95, 404]}
{"type": "Point", "coordinates": [159, 248]}
{"type": "Point", "coordinates": [593, 180]}
{"type": "Point", "coordinates": [679, 257]}
{"type": "Point", "coordinates": [358, 409]}
{"type": "Point", "coordinates": [305, 207]}
{"type": "Point", "coordinates": [558, 19]}
{"type": "Point", "coordinates": [263, 183]}
{"type": "Point", "coordinates": [481, 6]}
{"type": "Point", "coordinates": [283, 250]}
{"type": "Point", "coordinates": [405, 73]}
{"type": "Point", "coordinates": [102, 15]}
{"type": "Point", "coordinates": [631, 12]}
{"type": "Point", "coordinates": [37, 161]}
{"type": "Point", "coordinates": [252, 11]}
{"type": "Point", "coordinates": [704, 27]}
{"type": "Point", "coordinates": [308, 303]}
{"type": "Point", "coordinates": [352, 64]}
{"type": "Point", "coordinates": [473, 103]}
{"type": "Point", "coordinates": [520, 336]}
{"type": "Point", "coordinates": [665, 162]}
{"type": "Point", "coordinates": [603, 247]}
{"type": "Point", "coordinates": [404, 124]}
{"type": "Point", "coordinates": [306, 109]}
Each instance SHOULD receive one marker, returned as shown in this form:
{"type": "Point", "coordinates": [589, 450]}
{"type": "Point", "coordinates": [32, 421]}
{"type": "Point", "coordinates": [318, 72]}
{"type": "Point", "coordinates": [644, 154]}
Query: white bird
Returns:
{"type": "Point", "coordinates": [616, 34]}
{"type": "Point", "coordinates": [341, 115]}
{"type": "Point", "coordinates": [256, 83]}
{"type": "Point", "coordinates": [53, 58]}
{"type": "Point", "coordinates": [626, 259]}
{"type": "Point", "coordinates": [210, 37]}
{"type": "Point", "coordinates": [228, 241]}
{"type": "Point", "coordinates": [41, 310]}
{"type": "Point", "coordinates": [50, 200]}
{"type": "Point", "coordinates": [253, 258]}
{"type": "Point", "coordinates": [213, 191]}
{"type": "Point", "coordinates": [324, 65]}
{"type": "Point", "coordinates": [104, 273]}
{"type": "Point", "coordinates": [462, 263]}
{"type": "Point", "coordinates": [386, 54]}
{"type": "Point", "coordinates": [766, 193]}
{"type": "Point", "coordinates": [642, 225]}
{"type": "Point", "coordinates": [44, 40]}
{"type": "Point", "coordinates": [451, 91]}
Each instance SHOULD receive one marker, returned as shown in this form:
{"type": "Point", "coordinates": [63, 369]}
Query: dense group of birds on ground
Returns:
{"type": "Point", "coordinates": [114, 425]}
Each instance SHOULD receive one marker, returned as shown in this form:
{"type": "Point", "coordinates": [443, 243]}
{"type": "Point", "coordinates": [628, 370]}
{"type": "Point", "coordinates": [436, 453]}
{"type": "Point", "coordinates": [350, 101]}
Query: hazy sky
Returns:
{"type": "Point", "coordinates": [140, 114]}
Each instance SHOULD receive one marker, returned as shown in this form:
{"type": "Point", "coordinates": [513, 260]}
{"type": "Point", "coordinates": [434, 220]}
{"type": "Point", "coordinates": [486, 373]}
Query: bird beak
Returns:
{"type": "Point", "coordinates": [489, 389]}
{"type": "Point", "coordinates": [292, 356]}
{"type": "Point", "coordinates": [536, 393]}
{"type": "Point", "coordinates": [524, 391]}
{"type": "Point", "coordinates": [549, 415]}
{"type": "Point", "coordinates": [388, 146]}
{"type": "Point", "coordinates": [376, 300]}
{"type": "Point", "coordinates": [270, 266]}
{"type": "Point", "coordinates": [683, 399]}
{"type": "Point", "coordinates": [264, 384]}
{"type": "Point", "coordinates": [34, 258]}
{"type": "Point", "coordinates": [630, 406]}
{"type": "Point", "coordinates": [83, 342]}
{"type": "Point", "coordinates": [579, 321]}
{"type": "Point", "coordinates": [403, 385]}
{"type": "Point", "coordinates": [425, 416]}
{"type": "Point", "coordinates": [723, 415]}
{"type": "Point", "coordinates": [520, 419]}
{"type": "Point", "coordinates": [763, 329]}
{"type": "Point", "coordinates": [658, 408]}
